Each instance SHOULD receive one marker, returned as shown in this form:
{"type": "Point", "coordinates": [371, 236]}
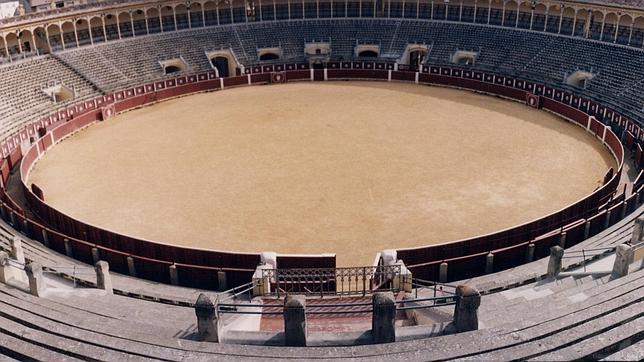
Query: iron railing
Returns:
{"type": "Point", "coordinates": [338, 281]}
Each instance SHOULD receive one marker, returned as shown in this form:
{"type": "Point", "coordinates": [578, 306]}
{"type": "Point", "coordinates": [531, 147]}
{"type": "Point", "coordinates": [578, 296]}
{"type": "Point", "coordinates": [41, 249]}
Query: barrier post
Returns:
{"type": "Point", "coordinates": [607, 220]}
{"type": "Point", "coordinates": [103, 279]}
{"type": "Point", "coordinates": [442, 272]}
{"type": "Point", "coordinates": [95, 256]}
{"type": "Point", "coordinates": [295, 321]}
{"type": "Point", "coordinates": [587, 229]}
{"type": "Point", "coordinates": [383, 317]}
{"type": "Point", "coordinates": [489, 263]}
{"type": "Point", "coordinates": [222, 280]}
{"type": "Point", "coordinates": [68, 248]}
{"type": "Point", "coordinates": [17, 252]}
{"type": "Point", "coordinates": [131, 268]}
{"type": "Point", "coordinates": [466, 310]}
{"type": "Point", "coordinates": [529, 253]}
{"type": "Point", "coordinates": [562, 239]}
{"type": "Point", "coordinates": [623, 258]}
{"type": "Point", "coordinates": [37, 285]}
{"type": "Point", "coordinates": [638, 230]}
{"type": "Point", "coordinates": [554, 263]}
{"type": "Point", "coordinates": [174, 274]}
{"type": "Point", "coordinates": [207, 326]}
{"type": "Point", "coordinates": [45, 237]}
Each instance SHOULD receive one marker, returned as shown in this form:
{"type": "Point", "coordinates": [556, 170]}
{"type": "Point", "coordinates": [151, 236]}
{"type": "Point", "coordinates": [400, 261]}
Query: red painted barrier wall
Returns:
{"type": "Point", "coordinates": [197, 268]}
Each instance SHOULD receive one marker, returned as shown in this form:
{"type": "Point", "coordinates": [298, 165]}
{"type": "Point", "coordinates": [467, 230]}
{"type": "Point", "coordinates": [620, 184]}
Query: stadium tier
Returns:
{"type": "Point", "coordinates": [564, 285]}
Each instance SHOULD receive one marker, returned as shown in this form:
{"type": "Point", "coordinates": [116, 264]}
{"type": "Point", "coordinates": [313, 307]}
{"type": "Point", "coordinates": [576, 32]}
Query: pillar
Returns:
{"type": "Point", "coordinates": [587, 230]}
{"type": "Point", "coordinates": [607, 219]}
{"type": "Point", "coordinates": [17, 252]}
{"type": "Point", "coordinates": [76, 33]}
{"type": "Point", "coordinates": [489, 263]}
{"type": "Point", "coordinates": [222, 280]}
{"type": "Point", "coordinates": [295, 321]}
{"type": "Point", "coordinates": [442, 272]}
{"type": "Point", "coordinates": [95, 257]}
{"type": "Point", "coordinates": [562, 239]}
{"type": "Point", "coordinates": [68, 248]}
{"type": "Point", "coordinates": [5, 272]}
{"type": "Point", "coordinates": [529, 253]}
{"type": "Point", "coordinates": [207, 318]}
{"type": "Point", "coordinates": [623, 258]}
{"type": "Point", "coordinates": [383, 317]}
{"type": "Point", "coordinates": [638, 229]}
{"type": "Point", "coordinates": [103, 279]}
{"type": "Point", "coordinates": [466, 309]}
{"type": "Point", "coordinates": [36, 280]}
{"type": "Point", "coordinates": [174, 274]}
{"type": "Point", "coordinates": [554, 263]}
{"type": "Point", "coordinates": [131, 268]}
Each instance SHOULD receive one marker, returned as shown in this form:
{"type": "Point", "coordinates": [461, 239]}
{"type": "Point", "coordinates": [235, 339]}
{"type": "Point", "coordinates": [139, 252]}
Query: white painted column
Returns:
{"type": "Point", "coordinates": [601, 36]}
{"type": "Point", "coordinates": [174, 17]}
{"type": "Point", "coordinates": [489, 11]}
{"type": "Point", "coordinates": [91, 36]}
{"type": "Point", "coordinates": [104, 28]}
{"type": "Point", "coordinates": [516, 23]}
{"type": "Point", "coordinates": [560, 20]}
{"type": "Point", "coordinates": [203, 15]}
{"type": "Point", "coordinates": [132, 24]}
{"type": "Point", "coordinates": [118, 28]}
{"type": "Point", "coordinates": [574, 23]}
{"type": "Point", "coordinates": [503, 15]}
{"type": "Point", "coordinates": [630, 36]}
{"type": "Point", "coordinates": [545, 23]}
{"type": "Point", "coordinates": [616, 31]}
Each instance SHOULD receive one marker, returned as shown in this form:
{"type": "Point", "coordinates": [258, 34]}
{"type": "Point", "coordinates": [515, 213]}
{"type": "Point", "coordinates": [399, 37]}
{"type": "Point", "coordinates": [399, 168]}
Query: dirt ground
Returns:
{"type": "Point", "coordinates": [344, 167]}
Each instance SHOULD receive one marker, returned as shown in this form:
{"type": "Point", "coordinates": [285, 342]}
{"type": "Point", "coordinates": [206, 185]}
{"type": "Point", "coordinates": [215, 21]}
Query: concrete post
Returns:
{"type": "Point", "coordinates": [207, 326]}
{"type": "Point", "coordinates": [4, 267]}
{"type": "Point", "coordinates": [607, 220]}
{"type": "Point", "coordinates": [222, 281]}
{"type": "Point", "coordinates": [103, 280]}
{"type": "Point", "coordinates": [174, 274]}
{"type": "Point", "coordinates": [68, 248]}
{"type": "Point", "coordinates": [562, 239]}
{"type": "Point", "coordinates": [45, 237]}
{"type": "Point", "coordinates": [489, 263]}
{"type": "Point", "coordinates": [16, 249]}
{"type": "Point", "coordinates": [638, 229]}
{"type": "Point", "coordinates": [623, 258]}
{"type": "Point", "coordinates": [466, 309]}
{"type": "Point", "coordinates": [442, 273]}
{"type": "Point", "coordinates": [529, 253]}
{"type": "Point", "coordinates": [95, 256]}
{"type": "Point", "coordinates": [12, 219]}
{"type": "Point", "coordinates": [295, 321]}
{"type": "Point", "coordinates": [383, 318]}
{"type": "Point", "coordinates": [554, 264]}
{"type": "Point", "coordinates": [25, 227]}
{"type": "Point", "coordinates": [587, 230]}
{"type": "Point", "coordinates": [36, 280]}
{"type": "Point", "coordinates": [131, 268]}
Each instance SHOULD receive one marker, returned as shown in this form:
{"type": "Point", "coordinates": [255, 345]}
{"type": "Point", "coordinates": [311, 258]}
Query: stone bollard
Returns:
{"type": "Point", "coordinates": [442, 273]}
{"type": "Point", "coordinates": [222, 281]}
{"type": "Point", "coordinates": [562, 240]}
{"type": "Point", "coordinates": [529, 253]}
{"type": "Point", "coordinates": [295, 321]}
{"type": "Point", "coordinates": [36, 279]}
{"type": "Point", "coordinates": [554, 264]}
{"type": "Point", "coordinates": [95, 256]}
{"type": "Point", "coordinates": [383, 317]}
{"type": "Point", "coordinates": [4, 267]}
{"type": "Point", "coordinates": [466, 310]}
{"type": "Point", "coordinates": [131, 268]}
{"type": "Point", "coordinates": [489, 263]}
{"type": "Point", "coordinates": [587, 230]}
{"type": "Point", "coordinates": [207, 326]}
{"type": "Point", "coordinates": [25, 227]}
{"type": "Point", "coordinates": [174, 274]}
{"type": "Point", "coordinates": [16, 249]}
{"type": "Point", "coordinates": [45, 237]}
{"type": "Point", "coordinates": [638, 230]}
{"type": "Point", "coordinates": [103, 280]}
{"type": "Point", "coordinates": [623, 258]}
{"type": "Point", "coordinates": [68, 248]}
{"type": "Point", "coordinates": [607, 219]}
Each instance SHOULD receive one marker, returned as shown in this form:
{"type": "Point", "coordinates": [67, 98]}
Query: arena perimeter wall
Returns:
{"type": "Point", "coordinates": [199, 267]}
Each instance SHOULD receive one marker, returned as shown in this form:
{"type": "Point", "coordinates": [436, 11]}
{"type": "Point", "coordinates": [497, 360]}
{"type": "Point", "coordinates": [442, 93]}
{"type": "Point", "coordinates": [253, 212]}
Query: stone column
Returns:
{"type": "Point", "coordinates": [295, 321]}
{"type": "Point", "coordinates": [207, 318]}
{"type": "Point", "coordinates": [36, 279]}
{"type": "Point", "coordinates": [4, 267]}
{"type": "Point", "coordinates": [489, 263]}
{"type": "Point", "coordinates": [554, 264]}
{"type": "Point", "coordinates": [174, 274]}
{"type": "Point", "coordinates": [131, 268]}
{"type": "Point", "coordinates": [16, 249]}
{"type": "Point", "coordinates": [638, 229]}
{"type": "Point", "coordinates": [383, 318]}
{"type": "Point", "coordinates": [529, 253]}
{"type": "Point", "coordinates": [466, 309]}
{"type": "Point", "coordinates": [222, 281]}
{"type": "Point", "coordinates": [442, 272]}
{"type": "Point", "coordinates": [623, 258]}
{"type": "Point", "coordinates": [103, 279]}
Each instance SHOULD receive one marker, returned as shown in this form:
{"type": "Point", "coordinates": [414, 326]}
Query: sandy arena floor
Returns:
{"type": "Point", "coordinates": [345, 167]}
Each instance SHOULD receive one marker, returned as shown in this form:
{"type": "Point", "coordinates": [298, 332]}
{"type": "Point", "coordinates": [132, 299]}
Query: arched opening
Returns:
{"type": "Point", "coordinates": [12, 44]}
{"type": "Point", "coordinates": [510, 19]}
{"type": "Point", "coordinates": [196, 20]}
{"type": "Point", "coordinates": [580, 24]}
{"type": "Point", "coordinates": [567, 21]}
{"type": "Point", "coordinates": [82, 29]}
{"type": "Point", "coordinates": [637, 38]}
{"type": "Point", "coordinates": [69, 37]}
{"type": "Point", "coordinates": [172, 69]}
{"type": "Point", "coordinates": [539, 18]}
{"type": "Point", "coordinates": [138, 18]}
{"type": "Point", "coordinates": [554, 14]}
{"type": "Point", "coordinates": [624, 29]}
{"type": "Point", "coordinates": [182, 16]}
{"type": "Point", "coordinates": [125, 24]}
{"type": "Point", "coordinates": [111, 28]}
{"type": "Point", "coordinates": [525, 14]}
{"type": "Point", "coordinates": [610, 27]}
{"type": "Point", "coordinates": [167, 18]}
{"type": "Point", "coordinates": [154, 25]}
{"type": "Point", "coordinates": [55, 39]}
{"type": "Point", "coordinates": [595, 25]}
{"type": "Point", "coordinates": [269, 56]}
{"type": "Point", "coordinates": [221, 64]}
{"type": "Point", "coordinates": [26, 42]}
{"type": "Point", "coordinates": [417, 58]}
{"type": "Point", "coordinates": [41, 41]}
{"type": "Point", "coordinates": [368, 54]}
{"type": "Point", "coordinates": [98, 35]}
{"type": "Point", "coordinates": [210, 13]}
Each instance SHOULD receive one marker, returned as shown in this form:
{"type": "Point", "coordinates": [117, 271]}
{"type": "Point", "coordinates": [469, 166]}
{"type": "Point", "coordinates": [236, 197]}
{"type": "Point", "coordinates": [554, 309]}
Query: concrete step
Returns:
{"type": "Point", "coordinates": [25, 350]}
{"type": "Point", "coordinates": [633, 352]}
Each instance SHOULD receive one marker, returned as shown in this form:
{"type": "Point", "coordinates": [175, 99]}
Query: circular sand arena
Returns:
{"type": "Point", "coordinates": [344, 167]}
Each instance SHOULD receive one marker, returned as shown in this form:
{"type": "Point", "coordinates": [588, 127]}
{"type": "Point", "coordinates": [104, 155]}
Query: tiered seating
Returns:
{"type": "Point", "coordinates": [21, 94]}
